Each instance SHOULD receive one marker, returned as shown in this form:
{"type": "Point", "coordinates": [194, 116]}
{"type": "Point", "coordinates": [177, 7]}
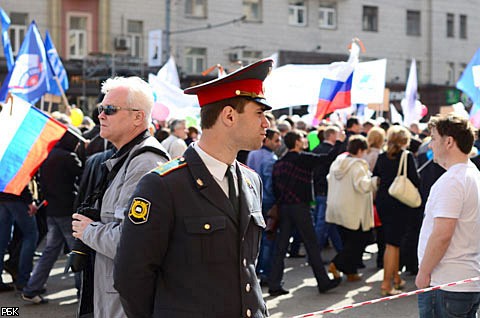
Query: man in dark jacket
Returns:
{"type": "Point", "coordinates": [325, 230]}
{"type": "Point", "coordinates": [191, 237]}
{"type": "Point", "coordinates": [21, 210]}
{"type": "Point", "coordinates": [58, 180]}
{"type": "Point", "coordinates": [292, 185]}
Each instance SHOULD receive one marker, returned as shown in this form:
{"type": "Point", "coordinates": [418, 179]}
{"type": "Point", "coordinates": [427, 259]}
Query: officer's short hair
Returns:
{"type": "Point", "coordinates": [210, 112]}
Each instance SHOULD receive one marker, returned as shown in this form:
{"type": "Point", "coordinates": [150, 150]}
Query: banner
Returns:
{"type": "Point", "coordinates": [7, 46]}
{"type": "Point", "coordinates": [29, 78]}
{"type": "Point", "coordinates": [26, 138]}
{"type": "Point", "coordinates": [57, 67]}
{"type": "Point", "coordinates": [155, 48]}
{"type": "Point", "coordinates": [368, 84]}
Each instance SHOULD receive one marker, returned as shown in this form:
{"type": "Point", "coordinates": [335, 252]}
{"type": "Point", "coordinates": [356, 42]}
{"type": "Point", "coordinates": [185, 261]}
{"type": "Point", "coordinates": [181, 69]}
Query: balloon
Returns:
{"type": "Point", "coordinates": [76, 116]}
{"type": "Point", "coordinates": [160, 112]}
{"type": "Point", "coordinates": [424, 111]}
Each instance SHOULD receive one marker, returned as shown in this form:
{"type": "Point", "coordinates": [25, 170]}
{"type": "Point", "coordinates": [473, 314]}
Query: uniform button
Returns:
{"type": "Point", "coordinates": [245, 262]}
{"type": "Point", "coordinates": [249, 313]}
{"type": "Point", "coordinates": [206, 226]}
{"type": "Point", "coordinates": [247, 287]}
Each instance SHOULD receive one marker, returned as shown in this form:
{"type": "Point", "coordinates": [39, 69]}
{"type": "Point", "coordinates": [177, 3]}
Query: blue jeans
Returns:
{"type": "Point", "coordinates": [17, 211]}
{"type": "Point", "coordinates": [265, 257]}
{"type": "Point", "coordinates": [324, 230]}
{"type": "Point", "coordinates": [444, 304]}
{"type": "Point", "coordinates": [59, 231]}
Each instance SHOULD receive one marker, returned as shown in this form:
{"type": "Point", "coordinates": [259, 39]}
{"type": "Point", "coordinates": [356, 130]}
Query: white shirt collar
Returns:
{"type": "Point", "coordinates": [214, 166]}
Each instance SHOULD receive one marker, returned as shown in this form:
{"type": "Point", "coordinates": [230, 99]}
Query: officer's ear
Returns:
{"type": "Point", "coordinates": [227, 115]}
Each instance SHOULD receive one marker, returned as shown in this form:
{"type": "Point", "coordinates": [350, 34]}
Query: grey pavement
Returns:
{"type": "Point", "coordinates": [303, 297]}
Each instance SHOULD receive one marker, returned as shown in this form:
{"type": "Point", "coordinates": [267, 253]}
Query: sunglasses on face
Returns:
{"type": "Point", "coordinates": [110, 109]}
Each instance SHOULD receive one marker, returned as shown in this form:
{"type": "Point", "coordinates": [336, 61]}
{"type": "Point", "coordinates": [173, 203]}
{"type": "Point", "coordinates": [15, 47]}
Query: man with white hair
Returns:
{"type": "Point", "coordinates": [124, 115]}
{"type": "Point", "coordinates": [175, 143]}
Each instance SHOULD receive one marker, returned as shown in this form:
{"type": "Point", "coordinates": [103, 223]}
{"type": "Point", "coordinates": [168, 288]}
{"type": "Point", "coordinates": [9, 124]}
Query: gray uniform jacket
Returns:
{"type": "Point", "coordinates": [191, 255]}
{"type": "Point", "coordinates": [104, 236]}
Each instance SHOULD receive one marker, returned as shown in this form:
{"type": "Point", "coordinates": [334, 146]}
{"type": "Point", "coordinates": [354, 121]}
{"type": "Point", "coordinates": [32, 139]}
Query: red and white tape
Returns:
{"type": "Point", "coordinates": [378, 300]}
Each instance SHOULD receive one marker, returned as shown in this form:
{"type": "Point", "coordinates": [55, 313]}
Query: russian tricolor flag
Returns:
{"type": "Point", "coordinates": [26, 137]}
{"type": "Point", "coordinates": [334, 94]}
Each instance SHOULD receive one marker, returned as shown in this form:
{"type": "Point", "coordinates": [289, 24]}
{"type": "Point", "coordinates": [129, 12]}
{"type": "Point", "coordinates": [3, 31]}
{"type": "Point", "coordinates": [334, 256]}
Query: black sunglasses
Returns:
{"type": "Point", "coordinates": [110, 109]}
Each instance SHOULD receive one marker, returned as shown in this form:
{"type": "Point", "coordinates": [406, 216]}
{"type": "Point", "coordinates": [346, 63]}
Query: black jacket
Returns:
{"type": "Point", "coordinates": [320, 173]}
{"type": "Point", "coordinates": [59, 175]}
{"type": "Point", "coordinates": [191, 255]}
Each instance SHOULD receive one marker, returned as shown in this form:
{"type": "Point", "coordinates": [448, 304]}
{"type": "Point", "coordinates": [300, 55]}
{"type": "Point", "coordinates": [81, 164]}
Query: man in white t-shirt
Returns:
{"type": "Point", "coordinates": [449, 245]}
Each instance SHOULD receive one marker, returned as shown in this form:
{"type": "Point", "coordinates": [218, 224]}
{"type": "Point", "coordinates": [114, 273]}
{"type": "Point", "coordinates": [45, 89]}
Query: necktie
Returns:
{"type": "Point", "coordinates": [232, 194]}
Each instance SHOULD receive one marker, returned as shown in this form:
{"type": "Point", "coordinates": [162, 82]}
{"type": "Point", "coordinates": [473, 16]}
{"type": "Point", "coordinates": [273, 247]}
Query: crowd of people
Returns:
{"type": "Point", "coordinates": [242, 193]}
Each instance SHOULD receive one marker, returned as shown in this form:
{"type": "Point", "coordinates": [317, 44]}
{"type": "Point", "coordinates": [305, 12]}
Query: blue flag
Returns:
{"type": "Point", "coordinates": [29, 78]}
{"type": "Point", "coordinates": [469, 82]}
{"type": "Point", "coordinates": [57, 67]}
{"type": "Point", "coordinates": [7, 47]}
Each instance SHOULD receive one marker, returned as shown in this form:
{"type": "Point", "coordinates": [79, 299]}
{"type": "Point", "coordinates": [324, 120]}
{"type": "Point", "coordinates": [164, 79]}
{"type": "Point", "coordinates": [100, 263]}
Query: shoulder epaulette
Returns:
{"type": "Point", "coordinates": [244, 165]}
{"type": "Point", "coordinates": [170, 166]}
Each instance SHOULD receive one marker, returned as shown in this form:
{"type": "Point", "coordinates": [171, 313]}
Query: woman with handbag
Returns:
{"type": "Point", "coordinates": [393, 213]}
{"type": "Point", "coordinates": [349, 177]}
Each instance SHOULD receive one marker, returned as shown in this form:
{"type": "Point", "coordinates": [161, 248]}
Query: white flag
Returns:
{"type": "Point", "coordinates": [169, 73]}
{"type": "Point", "coordinates": [368, 84]}
{"type": "Point", "coordinates": [412, 110]}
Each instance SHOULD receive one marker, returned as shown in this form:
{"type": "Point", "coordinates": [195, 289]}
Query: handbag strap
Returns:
{"type": "Point", "coordinates": [402, 166]}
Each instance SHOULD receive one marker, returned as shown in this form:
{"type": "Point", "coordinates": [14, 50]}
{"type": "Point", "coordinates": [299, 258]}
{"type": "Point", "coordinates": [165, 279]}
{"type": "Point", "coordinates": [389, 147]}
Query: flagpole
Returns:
{"type": "Point", "coordinates": [64, 98]}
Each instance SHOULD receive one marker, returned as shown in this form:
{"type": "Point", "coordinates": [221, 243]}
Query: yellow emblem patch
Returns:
{"type": "Point", "coordinates": [139, 211]}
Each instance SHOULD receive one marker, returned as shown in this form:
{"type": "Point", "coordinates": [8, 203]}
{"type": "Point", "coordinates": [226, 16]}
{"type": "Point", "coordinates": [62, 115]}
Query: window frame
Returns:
{"type": "Point", "coordinates": [17, 32]}
{"type": "Point", "coordinates": [462, 32]}
{"type": "Point", "coordinates": [450, 25]}
{"type": "Point", "coordinates": [86, 32]}
{"type": "Point", "coordinates": [135, 38]}
{"type": "Point", "coordinates": [369, 24]}
{"type": "Point", "coordinates": [247, 6]}
{"type": "Point", "coordinates": [326, 10]}
{"type": "Point", "coordinates": [195, 6]}
{"type": "Point", "coordinates": [195, 69]}
{"type": "Point", "coordinates": [293, 17]}
{"type": "Point", "coordinates": [412, 22]}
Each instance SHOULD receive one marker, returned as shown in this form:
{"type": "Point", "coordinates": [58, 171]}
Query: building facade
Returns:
{"type": "Point", "coordinates": [98, 38]}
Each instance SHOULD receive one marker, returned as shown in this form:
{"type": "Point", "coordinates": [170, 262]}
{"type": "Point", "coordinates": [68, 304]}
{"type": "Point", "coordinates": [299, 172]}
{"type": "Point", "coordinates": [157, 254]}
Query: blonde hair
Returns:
{"type": "Point", "coordinates": [375, 138]}
{"type": "Point", "coordinates": [398, 137]}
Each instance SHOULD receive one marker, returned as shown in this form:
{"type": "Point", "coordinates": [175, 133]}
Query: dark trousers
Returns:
{"type": "Point", "coordinates": [291, 216]}
{"type": "Point", "coordinates": [354, 243]}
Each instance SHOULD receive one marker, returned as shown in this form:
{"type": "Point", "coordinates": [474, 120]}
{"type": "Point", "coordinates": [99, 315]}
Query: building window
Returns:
{"type": "Point", "coordinates": [77, 35]}
{"type": "Point", "coordinates": [327, 17]}
{"type": "Point", "coordinates": [463, 26]}
{"type": "Point", "coordinates": [196, 8]}
{"type": "Point", "coordinates": [297, 13]}
{"type": "Point", "coordinates": [252, 9]}
{"type": "Point", "coordinates": [249, 57]}
{"type": "Point", "coordinates": [370, 18]}
{"type": "Point", "coordinates": [413, 23]}
{"type": "Point", "coordinates": [135, 32]}
{"type": "Point", "coordinates": [450, 25]}
{"type": "Point", "coordinates": [17, 30]}
{"type": "Point", "coordinates": [450, 73]}
{"type": "Point", "coordinates": [195, 60]}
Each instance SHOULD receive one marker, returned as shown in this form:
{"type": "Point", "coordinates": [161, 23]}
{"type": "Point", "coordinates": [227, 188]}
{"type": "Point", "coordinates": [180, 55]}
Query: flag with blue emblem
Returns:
{"type": "Point", "coordinates": [7, 47]}
{"type": "Point", "coordinates": [469, 83]}
{"type": "Point", "coordinates": [57, 68]}
{"type": "Point", "coordinates": [29, 78]}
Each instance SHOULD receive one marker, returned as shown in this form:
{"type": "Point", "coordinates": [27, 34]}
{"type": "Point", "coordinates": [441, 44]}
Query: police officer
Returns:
{"type": "Point", "coordinates": [192, 234]}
